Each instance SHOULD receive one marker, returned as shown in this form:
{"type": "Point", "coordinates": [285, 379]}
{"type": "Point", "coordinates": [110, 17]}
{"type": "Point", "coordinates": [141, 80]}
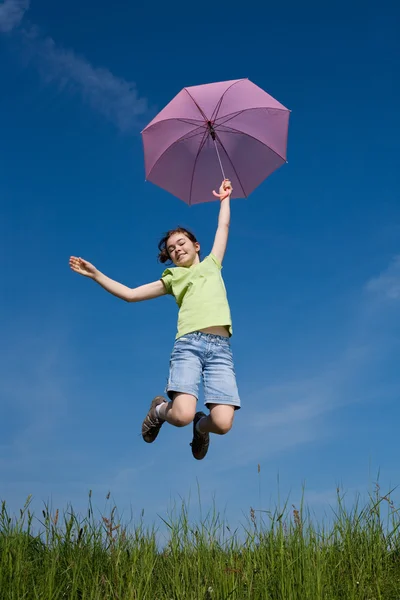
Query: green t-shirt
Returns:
{"type": "Point", "coordinates": [200, 293]}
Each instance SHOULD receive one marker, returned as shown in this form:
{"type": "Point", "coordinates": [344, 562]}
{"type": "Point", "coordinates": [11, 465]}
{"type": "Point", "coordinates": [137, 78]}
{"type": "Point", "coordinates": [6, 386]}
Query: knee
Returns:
{"type": "Point", "coordinates": [182, 421]}
{"type": "Point", "coordinates": [222, 426]}
{"type": "Point", "coordinates": [182, 418]}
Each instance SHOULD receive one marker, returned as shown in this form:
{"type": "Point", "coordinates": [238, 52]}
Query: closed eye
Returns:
{"type": "Point", "coordinates": [180, 242]}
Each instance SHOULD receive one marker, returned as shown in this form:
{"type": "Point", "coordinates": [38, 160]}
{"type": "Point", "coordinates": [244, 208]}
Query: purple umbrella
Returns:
{"type": "Point", "coordinates": [231, 127]}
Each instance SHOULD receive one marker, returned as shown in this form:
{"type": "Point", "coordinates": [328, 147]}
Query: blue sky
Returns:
{"type": "Point", "coordinates": [312, 269]}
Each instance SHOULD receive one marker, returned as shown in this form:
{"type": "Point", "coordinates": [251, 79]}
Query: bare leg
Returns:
{"type": "Point", "coordinates": [180, 411]}
{"type": "Point", "coordinates": [220, 419]}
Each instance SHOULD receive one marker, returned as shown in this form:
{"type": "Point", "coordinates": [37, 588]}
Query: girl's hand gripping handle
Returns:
{"type": "Point", "coordinates": [225, 190]}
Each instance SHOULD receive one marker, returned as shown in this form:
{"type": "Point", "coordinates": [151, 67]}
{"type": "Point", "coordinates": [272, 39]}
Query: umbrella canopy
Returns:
{"type": "Point", "coordinates": [231, 129]}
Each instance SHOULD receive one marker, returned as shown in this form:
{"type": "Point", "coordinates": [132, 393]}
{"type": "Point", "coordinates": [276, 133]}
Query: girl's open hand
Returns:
{"type": "Point", "coordinates": [83, 267]}
{"type": "Point", "coordinates": [225, 190]}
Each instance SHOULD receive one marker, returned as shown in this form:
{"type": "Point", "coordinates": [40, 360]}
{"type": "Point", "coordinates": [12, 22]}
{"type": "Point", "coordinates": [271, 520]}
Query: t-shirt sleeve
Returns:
{"type": "Point", "coordinates": [215, 260]}
{"type": "Point", "coordinates": [166, 278]}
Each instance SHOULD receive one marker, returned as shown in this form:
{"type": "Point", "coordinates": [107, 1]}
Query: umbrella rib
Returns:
{"type": "Point", "coordinates": [196, 122]}
{"type": "Point", "coordinates": [216, 109]}
{"type": "Point", "coordinates": [150, 127]}
{"type": "Point", "coordinates": [240, 112]}
{"type": "Point", "coordinates": [229, 118]}
{"type": "Point", "coordinates": [237, 131]}
{"type": "Point", "coordinates": [182, 138]}
{"type": "Point", "coordinates": [236, 113]}
{"type": "Point", "coordinates": [203, 141]}
{"type": "Point", "coordinates": [191, 134]}
{"type": "Point", "coordinates": [218, 106]}
{"type": "Point", "coordinates": [200, 109]}
{"type": "Point", "coordinates": [232, 165]}
{"type": "Point", "coordinates": [231, 115]}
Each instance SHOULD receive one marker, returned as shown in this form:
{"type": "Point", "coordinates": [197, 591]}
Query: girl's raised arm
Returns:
{"type": "Point", "coordinates": [143, 292]}
{"type": "Point", "coordinates": [221, 236]}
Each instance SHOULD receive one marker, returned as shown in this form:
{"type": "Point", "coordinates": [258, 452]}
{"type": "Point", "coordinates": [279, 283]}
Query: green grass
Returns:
{"type": "Point", "coordinates": [283, 555]}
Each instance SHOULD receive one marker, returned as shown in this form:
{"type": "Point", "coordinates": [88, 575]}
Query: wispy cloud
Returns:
{"type": "Point", "coordinates": [11, 14]}
{"type": "Point", "coordinates": [113, 97]}
{"type": "Point", "coordinates": [303, 410]}
{"type": "Point", "coordinates": [294, 415]}
{"type": "Point", "coordinates": [387, 284]}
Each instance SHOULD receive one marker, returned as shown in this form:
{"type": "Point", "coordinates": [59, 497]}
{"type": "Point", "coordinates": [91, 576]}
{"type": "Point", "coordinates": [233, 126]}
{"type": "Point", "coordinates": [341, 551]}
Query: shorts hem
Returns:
{"type": "Point", "coordinates": [226, 401]}
{"type": "Point", "coordinates": [172, 389]}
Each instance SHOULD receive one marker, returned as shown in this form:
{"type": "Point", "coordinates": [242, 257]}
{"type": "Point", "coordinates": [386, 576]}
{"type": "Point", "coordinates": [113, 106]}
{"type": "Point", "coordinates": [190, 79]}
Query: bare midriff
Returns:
{"type": "Point", "coordinates": [216, 330]}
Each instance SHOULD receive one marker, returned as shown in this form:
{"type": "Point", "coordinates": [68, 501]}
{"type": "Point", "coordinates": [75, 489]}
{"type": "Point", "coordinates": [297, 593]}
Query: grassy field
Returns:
{"type": "Point", "coordinates": [283, 555]}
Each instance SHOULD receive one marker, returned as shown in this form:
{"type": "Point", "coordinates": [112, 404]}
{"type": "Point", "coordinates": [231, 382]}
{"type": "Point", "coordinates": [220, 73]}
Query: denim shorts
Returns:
{"type": "Point", "coordinates": [203, 356]}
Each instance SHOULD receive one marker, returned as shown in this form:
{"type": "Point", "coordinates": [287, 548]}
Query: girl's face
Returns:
{"type": "Point", "coordinates": [182, 251]}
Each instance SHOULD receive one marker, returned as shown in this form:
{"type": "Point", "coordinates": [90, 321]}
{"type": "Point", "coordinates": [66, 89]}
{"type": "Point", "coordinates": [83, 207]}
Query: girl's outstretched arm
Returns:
{"type": "Point", "coordinates": [143, 292]}
{"type": "Point", "coordinates": [221, 237]}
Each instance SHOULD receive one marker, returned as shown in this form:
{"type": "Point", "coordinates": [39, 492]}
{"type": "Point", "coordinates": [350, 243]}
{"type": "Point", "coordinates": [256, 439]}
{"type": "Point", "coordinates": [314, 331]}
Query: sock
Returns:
{"type": "Point", "coordinates": [198, 423]}
{"type": "Point", "coordinates": [160, 410]}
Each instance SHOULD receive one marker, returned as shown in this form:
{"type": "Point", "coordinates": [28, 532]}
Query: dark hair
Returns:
{"type": "Point", "coordinates": [163, 255]}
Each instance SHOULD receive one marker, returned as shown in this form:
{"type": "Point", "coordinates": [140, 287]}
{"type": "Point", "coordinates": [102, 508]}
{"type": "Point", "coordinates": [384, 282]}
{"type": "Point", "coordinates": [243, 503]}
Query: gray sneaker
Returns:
{"type": "Point", "coordinates": [152, 424]}
{"type": "Point", "coordinates": [200, 441]}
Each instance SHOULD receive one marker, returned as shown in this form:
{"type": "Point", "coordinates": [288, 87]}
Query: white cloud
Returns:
{"type": "Point", "coordinates": [387, 284]}
{"type": "Point", "coordinates": [11, 14]}
{"type": "Point", "coordinates": [113, 97]}
{"type": "Point", "coordinates": [292, 417]}
{"type": "Point", "coordinates": [290, 414]}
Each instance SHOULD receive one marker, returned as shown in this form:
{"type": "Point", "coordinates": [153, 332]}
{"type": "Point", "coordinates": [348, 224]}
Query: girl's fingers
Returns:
{"type": "Point", "coordinates": [224, 191]}
{"type": "Point", "coordinates": [221, 196]}
{"type": "Point", "coordinates": [76, 264]}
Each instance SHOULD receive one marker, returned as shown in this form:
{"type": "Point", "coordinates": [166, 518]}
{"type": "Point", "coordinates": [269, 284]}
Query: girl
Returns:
{"type": "Point", "coordinates": [202, 345]}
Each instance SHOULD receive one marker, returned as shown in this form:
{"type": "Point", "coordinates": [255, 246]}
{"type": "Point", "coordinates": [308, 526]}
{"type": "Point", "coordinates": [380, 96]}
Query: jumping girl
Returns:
{"type": "Point", "coordinates": [202, 345]}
